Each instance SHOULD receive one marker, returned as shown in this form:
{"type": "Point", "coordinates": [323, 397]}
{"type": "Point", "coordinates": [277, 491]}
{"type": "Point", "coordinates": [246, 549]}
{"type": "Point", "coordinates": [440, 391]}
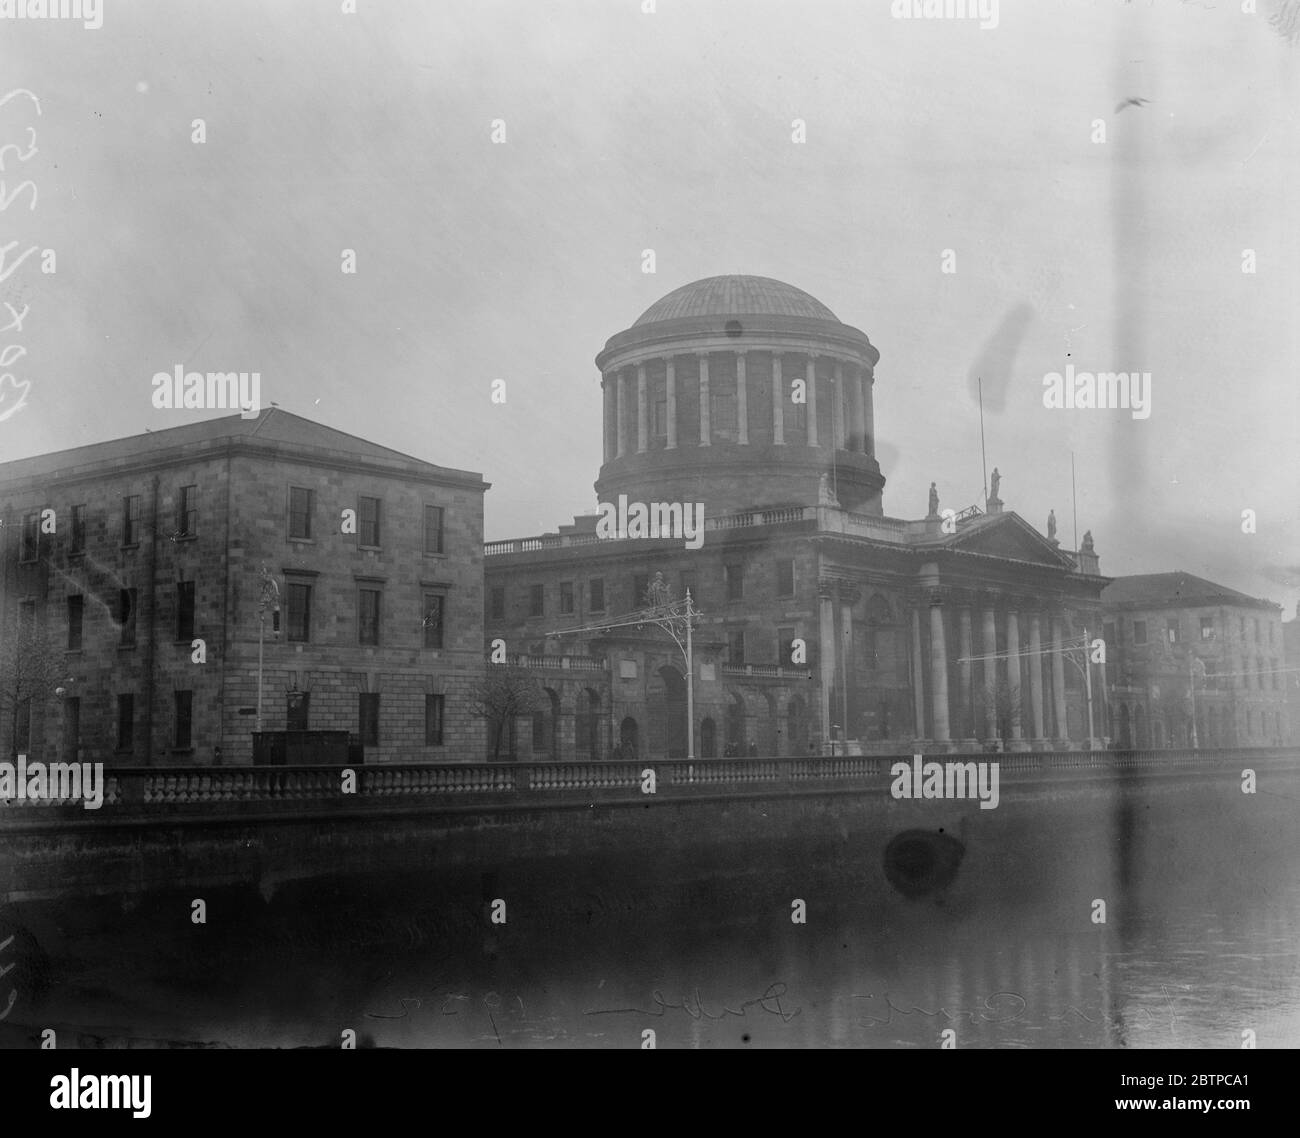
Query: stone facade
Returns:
{"type": "Point", "coordinates": [237, 517]}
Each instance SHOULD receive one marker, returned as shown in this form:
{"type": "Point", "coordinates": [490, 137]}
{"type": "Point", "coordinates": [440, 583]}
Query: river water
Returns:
{"type": "Point", "coordinates": [1000, 944]}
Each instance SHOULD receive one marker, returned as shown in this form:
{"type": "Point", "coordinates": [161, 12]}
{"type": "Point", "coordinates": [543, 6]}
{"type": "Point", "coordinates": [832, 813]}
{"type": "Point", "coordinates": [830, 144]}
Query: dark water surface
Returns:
{"type": "Point", "coordinates": [986, 929]}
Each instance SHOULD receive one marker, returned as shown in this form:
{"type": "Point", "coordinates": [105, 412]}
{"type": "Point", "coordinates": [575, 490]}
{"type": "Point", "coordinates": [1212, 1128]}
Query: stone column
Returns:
{"type": "Point", "coordinates": [1036, 678]}
{"type": "Point", "coordinates": [607, 412]}
{"type": "Point", "coordinates": [990, 651]}
{"type": "Point", "coordinates": [705, 437]}
{"type": "Point", "coordinates": [939, 672]}
{"type": "Point", "coordinates": [918, 682]}
{"type": "Point", "coordinates": [1058, 684]}
{"type": "Point", "coordinates": [1013, 671]}
{"type": "Point", "coordinates": [742, 401]}
{"type": "Point", "coordinates": [810, 379]}
{"type": "Point", "coordinates": [620, 413]}
{"type": "Point", "coordinates": [826, 656]}
{"type": "Point", "coordinates": [860, 409]}
{"type": "Point", "coordinates": [778, 402]}
{"type": "Point", "coordinates": [840, 421]}
{"type": "Point", "coordinates": [670, 382]}
{"type": "Point", "coordinates": [642, 423]}
{"type": "Point", "coordinates": [868, 413]}
{"type": "Point", "coordinates": [966, 712]}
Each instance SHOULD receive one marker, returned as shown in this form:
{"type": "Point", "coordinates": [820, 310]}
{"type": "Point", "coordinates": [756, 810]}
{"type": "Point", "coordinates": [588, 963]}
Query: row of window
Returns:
{"type": "Point", "coordinates": [183, 720]}
{"type": "Point", "coordinates": [301, 522]}
{"type": "Point", "coordinates": [298, 624]}
{"type": "Point", "coordinates": [1173, 630]}
{"type": "Point", "coordinates": [733, 584]}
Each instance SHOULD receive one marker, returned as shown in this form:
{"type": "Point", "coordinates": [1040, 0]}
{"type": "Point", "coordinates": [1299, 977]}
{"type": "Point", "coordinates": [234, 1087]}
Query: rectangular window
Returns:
{"type": "Point", "coordinates": [76, 617]}
{"type": "Point", "coordinates": [736, 647]}
{"type": "Point", "coordinates": [536, 600]}
{"type": "Point", "coordinates": [434, 608]}
{"type": "Point", "coordinates": [126, 605]}
{"type": "Point", "coordinates": [299, 605]}
{"type": "Point", "coordinates": [640, 583]}
{"type": "Point", "coordinates": [31, 543]}
{"type": "Point", "coordinates": [1207, 628]}
{"type": "Point", "coordinates": [368, 714]}
{"type": "Point", "coordinates": [432, 529]}
{"type": "Point", "coordinates": [184, 610]}
{"type": "Point", "coordinates": [296, 711]}
{"type": "Point", "coordinates": [785, 577]}
{"type": "Point", "coordinates": [539, 731]}
{"type": "Point", "coordinates": [433, 709]}
{"type": "Point", "coordinates": [596, 592]}
{"type": "Point", "coordinates": [1171, 629]}
{"type": "Point", "coordinates": [498, 608]}
{"type": "Point", "coordinates": [566, 597]}
{"type": "Point", "coordinates": [131, 519]}
{"type": "Point", "coordinates": [71, 727]}
{"type": "Point", "coordinates": [368, 519]}
{"type": "Point", "coordinates": [125, 722]}
{"type": "Point", "coordinates": [1139, 632]}
{"type": "Point", "coordinates": [187, 512]}
{"type": "Point", "coordinates": [78, 530]}
{"type": "Point", "coordinates": [184, 703]}
{"type": "Point", "coordinates": [302, 502]}
{"type": "Point", "coordinates": [368, 616]}
{"type": "Point", "coordinates": [23, 726]}
{"type": "Point", "coordinates": [735, 575]}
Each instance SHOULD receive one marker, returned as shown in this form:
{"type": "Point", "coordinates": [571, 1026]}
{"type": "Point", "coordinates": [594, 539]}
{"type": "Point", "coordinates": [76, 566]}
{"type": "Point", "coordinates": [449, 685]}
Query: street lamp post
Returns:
{"type": "Point", "coordinates": [1086, 672]}
{"type": "Point", "coordinates": [271, 597]}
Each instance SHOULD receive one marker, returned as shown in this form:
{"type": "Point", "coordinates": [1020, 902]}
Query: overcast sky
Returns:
{"type": "Point", "coordinates": [672, 131]}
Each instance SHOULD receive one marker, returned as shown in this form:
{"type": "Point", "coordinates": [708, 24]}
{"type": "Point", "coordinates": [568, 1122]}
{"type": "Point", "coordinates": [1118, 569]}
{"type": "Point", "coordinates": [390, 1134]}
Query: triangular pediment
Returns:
{"type": "Point", "coordinates": [1010, 537]}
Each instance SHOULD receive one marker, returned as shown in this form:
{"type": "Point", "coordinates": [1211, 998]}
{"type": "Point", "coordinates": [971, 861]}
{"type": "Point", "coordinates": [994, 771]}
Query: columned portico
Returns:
{"type": "Point", "coordinates": [939, 670]}
{"type": "Point", "coordinates": [670, 383]}
{"type": "Point", "coordinates": [990, 650]}
{"type": "Point", "coordinates": [966, 710]}
{"type": "Point", "coordinates": [742, 401]}
{"type": "Point", "coordinates": [778, 402]}
{"type": "Point", "coordinates": [1013, 672]}
{"type": "Point", "coordinates": [1036, 679]}
{"type": "Point", "coordinates": [826, 655]}
{"type": "Point", "coordinates": [1058, 684]}
{"type": "Point", "coordinates": [704, 399]}
{"type": "Point", "coordinates": [620, 418]}
{"type": "Point", "coordinates": [642, 421]}
{"type": "Point", "coordinates": [918, 674]}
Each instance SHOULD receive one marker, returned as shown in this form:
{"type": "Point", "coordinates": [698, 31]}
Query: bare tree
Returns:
{"type": "Point", "coordinates": [504, 693]}
{"type": "Point", "coordinates": [1008, 707]}
{"type": "Point", "coordinates": [31, 666]}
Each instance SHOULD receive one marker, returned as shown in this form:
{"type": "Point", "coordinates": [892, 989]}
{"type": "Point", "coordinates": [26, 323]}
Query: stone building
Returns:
{"type": "Point", "coordinates": [825, 621]}
{"type": "Point", "coordinates": [1291, 672]}
{"type": "Point", "coordinates": [126, 553]}
{"type": "Point", "coordinates": [1174, 638]}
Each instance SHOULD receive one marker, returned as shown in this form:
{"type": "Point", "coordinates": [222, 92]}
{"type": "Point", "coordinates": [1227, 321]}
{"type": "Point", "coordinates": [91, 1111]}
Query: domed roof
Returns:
{"type": "Point", "coordinates": [735, 296]}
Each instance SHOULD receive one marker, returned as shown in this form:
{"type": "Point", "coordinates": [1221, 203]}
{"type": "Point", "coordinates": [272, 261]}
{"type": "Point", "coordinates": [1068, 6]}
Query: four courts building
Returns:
{"type": "Point", "coordinates": [826, 623]}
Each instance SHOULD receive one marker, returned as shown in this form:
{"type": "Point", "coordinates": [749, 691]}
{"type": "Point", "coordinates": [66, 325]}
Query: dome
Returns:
{"type": "Point", "coordinates": [735, 296]}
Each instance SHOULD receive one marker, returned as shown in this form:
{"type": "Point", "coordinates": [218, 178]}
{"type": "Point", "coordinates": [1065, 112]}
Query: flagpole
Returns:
{"type": "Point", "coordinates": [983, 456]}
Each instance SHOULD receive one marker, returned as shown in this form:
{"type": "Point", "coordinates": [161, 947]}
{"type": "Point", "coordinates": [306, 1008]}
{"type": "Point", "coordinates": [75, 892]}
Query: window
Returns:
{"type": "Point", "coordinates": [368, 516]}
{"type": "Point", "coordinates": [31, 542]}
{"type": "Point", "coordinates": [785, 646]}
{"type": "Point", "coordinates": [1207, 628]}
{"type": "Point", "coordinates": [76, 617]}
{"type": "Point", "coordinates": [1211, 680]}
{"type": "Point", "coordinates": [131, 519]}
{"type": "Point", "coordinates": [640, 584]}
{"type": "Point", "coordinates": [596, 591]}
{"type": "Point", "coordinates": [185, 610]}
{"type": "Point", "coordinates": [302, 502]}
{"type": "Point", "coordinates": [785, 577]}
{"type": "Point", "coordinates": [1171, 629]}
{"type": "Point", "coordinates": [1139, 632]}
{"type": "Point", "coordinates": [536, 600]}
{"type": "Point", "coordinates": [736, 647]}
{"type": "Point", "coordinates": [125, 722]}
{"type": "Point", "coordinates": [296, 711]}
{"type": "Point", "coordinates": [434, 607]}
{"type": "Point", "coordinates": [735, 575]}
{"type": "Point", "coordinates": [368, 616]}
{"type": "Point", "coordinates": [184, 704]}
{"type": "Point", "coordinates": [23, 726]}
{"type": "Point", "coordinates": [433, 711]}
{"type": "Point", "coordinates": [566, 597]}
{"type": "Point", "coordinates": [722, 411]}
{"type": "Point", "coordinates": [299, 598]}
{"type": "Point", "coordinates": [78, 530]}
{"type": "Point", "coordinates": [432, 529]}
{"type": "Point", "coordinates": [498, 602]}
{"type": "Point", "coordinates": [71, 727]}
{"type": "Point", "coordinates": [126, 604]}
{"type": "Point", "coordinates": [187, 512]}
{"type": "Point", "coordinates": [368, 714]}
{"type": "Point", "coordinates": [539, 730]}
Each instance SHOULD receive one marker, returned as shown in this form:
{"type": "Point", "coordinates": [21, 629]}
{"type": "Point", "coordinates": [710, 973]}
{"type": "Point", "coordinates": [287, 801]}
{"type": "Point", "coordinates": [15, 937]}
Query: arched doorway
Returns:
{"type": "Point", "coordinates": [708, 739]}
{"type": "Point", "coordinates": [627, 738]}
{"type": "Point", "coordinates": [674, 711]}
